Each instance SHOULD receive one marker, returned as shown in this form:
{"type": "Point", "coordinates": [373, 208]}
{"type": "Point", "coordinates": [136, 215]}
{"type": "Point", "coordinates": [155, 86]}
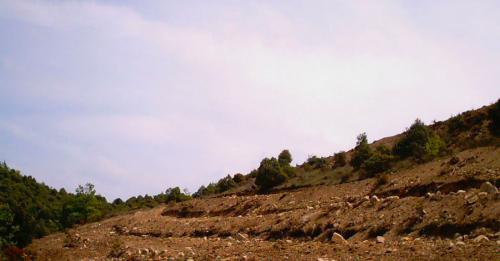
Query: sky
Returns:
{"type": "Point", "coordinates": [139, 96]}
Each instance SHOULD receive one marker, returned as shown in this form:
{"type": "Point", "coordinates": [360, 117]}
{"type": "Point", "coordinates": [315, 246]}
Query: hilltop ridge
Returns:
{"type": "Point", "coordinates": [434, 199]}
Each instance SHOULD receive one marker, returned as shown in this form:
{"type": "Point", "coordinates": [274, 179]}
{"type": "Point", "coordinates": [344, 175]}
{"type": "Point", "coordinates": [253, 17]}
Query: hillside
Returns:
{"type": "Point", "coordinates": [434, 200]}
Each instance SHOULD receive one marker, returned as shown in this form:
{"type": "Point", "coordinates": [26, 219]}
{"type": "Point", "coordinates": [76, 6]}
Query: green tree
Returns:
{"type": "Point", "coordinates": [420, 142]}
{"type": "Point", "coordinates": [380, 161]}
{"type": "Point", "coordinates": [7, 226]}
{"type": "Point", "coordinates": [285, 158]}
{"type": "Point", "coordinates": [175, 195]}
{"type": "Point", "coordinates": [84, 207]}
{"type": "Point", "coordinates": [225, 184]}
{"type": "Point", "coordinates": [362, 151]}
{"type": "Point", "coordinates": [270, 174]}
{"type": "Point", "coordinates": [238, 178]}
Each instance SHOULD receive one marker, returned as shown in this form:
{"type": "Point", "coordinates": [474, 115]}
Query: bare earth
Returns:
{"type": "Point", "coordinates": [434, 211]}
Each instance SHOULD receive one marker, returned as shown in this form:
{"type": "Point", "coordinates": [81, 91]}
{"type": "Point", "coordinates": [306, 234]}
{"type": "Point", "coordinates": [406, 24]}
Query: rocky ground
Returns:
{"type": "Point", "coordinates": [447, 209]}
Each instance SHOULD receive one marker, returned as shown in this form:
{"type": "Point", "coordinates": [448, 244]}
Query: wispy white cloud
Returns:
{"type": "Point", "coordinates": [157, 96]}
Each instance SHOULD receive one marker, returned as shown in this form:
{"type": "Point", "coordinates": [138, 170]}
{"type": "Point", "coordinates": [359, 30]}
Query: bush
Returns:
{"type": "Point", "coordinates": [269, 174]}
{"type": "Point", "coordinates": [285, 158]}
{"type": "Point", "coordinates": [362, 151]}
{"type": "Point", "coordinates": [339, 159]}
{"type": "Point", "coordinates": [316, 162]}
{"type": "Point", "coordinates": [175, 195]}
{"type": "Point", "coordinates": [379, 162]}
{"type": "Point", "coordinates": [494, 115]}
{"type": "Point", "coordinates": [456, 124]}
{"type": "Point", "coordinates": [225, 184]}
{"type": "Point", "coordinates": [420, 142]}
{"type": "Point", "coordinates": [238, 178]}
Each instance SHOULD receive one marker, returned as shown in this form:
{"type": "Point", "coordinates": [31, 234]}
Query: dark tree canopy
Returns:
{"type": "Point", "coordinates": [285, 158]}
{"type": "Point", "coordinates": [270, 174]}
{"type": "Point", "coordinates": [362, 151]}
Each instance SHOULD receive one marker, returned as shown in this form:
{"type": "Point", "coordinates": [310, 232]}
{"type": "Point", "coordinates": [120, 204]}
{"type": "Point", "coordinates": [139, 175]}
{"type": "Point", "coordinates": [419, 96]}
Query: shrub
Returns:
{"type": "Point", "coordinates": [285, 158]}
{"type": "Point", "coordinates": [316, 162]}
{"type": "Point", "coordinates": [362, 151]}
{"type": "Point", "coordinates": [269, 174]}
{"type": "Point", "coordinates": [494, 115]}
{"type": "Point", "coordinates": [379, 162]}
{"type": "Point", "coordinates": [175, 195]}
{"type": "Point", "coordinates": [238, 178]}
{"type": "Point", "coordinates": [339, 159]}
{"type": "Point", "coordinates": [420, 142]}
{"type": "Point", "coordinates": [456, 124]}
{"type": "Point", "coordinates": [225, 184]}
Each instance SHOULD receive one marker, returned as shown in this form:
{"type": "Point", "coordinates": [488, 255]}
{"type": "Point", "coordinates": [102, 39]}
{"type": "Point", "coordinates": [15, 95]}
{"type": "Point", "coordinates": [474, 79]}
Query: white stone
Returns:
{"type": "Point", "coordinates": [338, 239]}
{"type": "Point", "coordinates": [488, 188]}
{"type": "Point", "coordinates": [480, 238]}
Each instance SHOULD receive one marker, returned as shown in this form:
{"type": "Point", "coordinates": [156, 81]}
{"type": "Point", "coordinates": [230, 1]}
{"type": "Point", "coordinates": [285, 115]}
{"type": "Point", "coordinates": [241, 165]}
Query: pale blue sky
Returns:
{"type": "Point", "coordinates": [138, 96]}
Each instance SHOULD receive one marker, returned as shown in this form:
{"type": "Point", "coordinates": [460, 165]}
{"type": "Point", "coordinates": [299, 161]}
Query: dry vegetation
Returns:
{"type": "Point", "coordinates": [446, 208]}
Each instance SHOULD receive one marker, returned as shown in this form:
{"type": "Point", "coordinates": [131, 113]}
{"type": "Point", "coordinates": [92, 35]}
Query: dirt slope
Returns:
{"type": "Point", "coordinates": [442, 210]}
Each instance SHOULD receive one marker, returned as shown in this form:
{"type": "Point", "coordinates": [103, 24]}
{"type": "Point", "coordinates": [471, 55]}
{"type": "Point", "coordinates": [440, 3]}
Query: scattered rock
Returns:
{"type": "Point", "coordinates": [472, 199]}
{"type": "Point", "coordinates": [339, 239]}
{"type": "Point", "coordinates": [480, 238]}
{"type": "Point", "coordinates": [241, 237]}
{"type": "Point", "coordinates": [380, 239]}
{"type": "Point", "coordinates": [460, 243]}
{"type": "Point", "coordinates": [482, 195]}
{"type": "Point", "coordinates": [488, 188]}
{"type": "Point", "coordinates": [460, 192]}
{"type": "Point", "coordinates": [374, 199]}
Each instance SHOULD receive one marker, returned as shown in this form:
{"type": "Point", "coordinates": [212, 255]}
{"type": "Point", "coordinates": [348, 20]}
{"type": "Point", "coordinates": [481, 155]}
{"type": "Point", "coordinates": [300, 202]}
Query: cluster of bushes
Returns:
{"type": "Point", "coordinates": [29, 209]}
{"type": "Point", "coordinates": [221, 186]}
{"type": "Point", "coordinates": [418, 142]}
{"type": "Point", "coordinates": [314, 162]}
{"type": "Point", "coordinates": [273, 172]}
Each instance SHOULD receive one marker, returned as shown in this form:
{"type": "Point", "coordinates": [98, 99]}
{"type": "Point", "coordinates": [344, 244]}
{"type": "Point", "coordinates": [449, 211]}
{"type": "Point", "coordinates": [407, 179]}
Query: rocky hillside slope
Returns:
{"type": "Point", "coordinates": [446, 209]}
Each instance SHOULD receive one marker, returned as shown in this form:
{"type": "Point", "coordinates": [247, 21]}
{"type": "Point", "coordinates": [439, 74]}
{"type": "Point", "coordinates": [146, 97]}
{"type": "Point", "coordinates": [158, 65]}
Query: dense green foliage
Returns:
{"type": "Point", "coordinates": [494, 115]}
{"type": "Point", "coordinates": [29, 209]}
{"type": "Point", "coordinates": [420, 142]}
{"type": "Point", "coordinates": [270, 174]}
{"type": "Point", "coordinates": [378, 162]}
{"type": "Point", "coordinates": [316, 162]}
{"type": "Point", "coordinates": [285, 158]}
{"type": "Point", "coordinates": [221, 186]}
{"type": "Point", "coordinates": [362, 151]}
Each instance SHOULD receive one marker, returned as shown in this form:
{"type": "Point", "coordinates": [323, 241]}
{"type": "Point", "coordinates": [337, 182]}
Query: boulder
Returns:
{"type": "Point", "coordinates": [380, 239]}
{"type": "Point", "coordinates": [488, 188]}
{"type": "Point", "coordinates": [338, 239]}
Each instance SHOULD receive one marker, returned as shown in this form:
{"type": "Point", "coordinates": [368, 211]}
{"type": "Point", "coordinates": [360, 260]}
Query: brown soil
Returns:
{"type": "Point", "coordinates": [432, 211]}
